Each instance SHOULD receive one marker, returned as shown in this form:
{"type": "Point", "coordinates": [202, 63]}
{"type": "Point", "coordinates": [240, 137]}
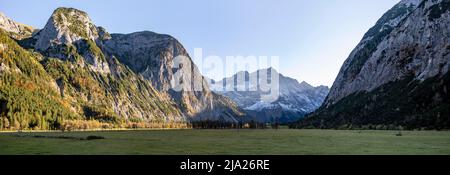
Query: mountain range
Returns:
{"type": "Point", "coordinates": [73, 74]}
{"type": "Point", "coordinates": [73, 70]}
{"type": "Point", "coordinates": [294, 100]}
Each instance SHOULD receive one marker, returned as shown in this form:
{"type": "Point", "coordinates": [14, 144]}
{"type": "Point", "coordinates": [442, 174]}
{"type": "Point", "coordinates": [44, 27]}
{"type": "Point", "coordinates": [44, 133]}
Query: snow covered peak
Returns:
{"type": "Point", "coordinates": [295, 100]}
{"type": "Point", "coordinates": [306, 85]}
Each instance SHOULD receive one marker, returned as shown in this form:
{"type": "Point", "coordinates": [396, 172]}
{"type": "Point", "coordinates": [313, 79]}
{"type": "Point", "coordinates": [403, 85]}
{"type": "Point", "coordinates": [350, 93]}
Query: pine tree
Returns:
{"type": "Point", "coordinates": [1, 123]}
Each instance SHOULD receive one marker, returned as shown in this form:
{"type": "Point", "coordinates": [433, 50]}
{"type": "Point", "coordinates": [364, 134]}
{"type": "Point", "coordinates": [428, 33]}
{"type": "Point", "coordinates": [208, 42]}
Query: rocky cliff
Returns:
{"type": "Point", "coordinates": [398, 74]}
{"type": "Point", "coordinates": [152, 55]}
{"type": "Point", "coordinates": [15, 29]}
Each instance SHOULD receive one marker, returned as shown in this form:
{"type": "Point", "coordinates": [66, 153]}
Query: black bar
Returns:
{"type": "Point", "coordinates": [276, 164]}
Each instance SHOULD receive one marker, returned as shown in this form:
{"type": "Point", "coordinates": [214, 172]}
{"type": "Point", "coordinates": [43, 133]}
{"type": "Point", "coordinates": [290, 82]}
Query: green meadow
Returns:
{"type": "Point", "coordinates": [228, 142]}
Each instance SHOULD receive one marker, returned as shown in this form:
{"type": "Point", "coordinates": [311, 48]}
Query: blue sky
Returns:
{"type": "Point", "coordinates": [311, 37]}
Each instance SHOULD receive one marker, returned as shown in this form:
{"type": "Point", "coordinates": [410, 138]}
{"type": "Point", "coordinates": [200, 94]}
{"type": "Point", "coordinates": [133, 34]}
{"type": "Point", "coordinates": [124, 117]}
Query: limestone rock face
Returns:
{"type": "Point", "coordinates": [17, 30]}
{"type": "Point", "coordinates": [70, 30]}
{"type": "Point", "coordinates": [66, 26]}
{"type": "Point", "coordinates": [154, 57]}
{"type": "Point", "coordinates": [398, 74]}
{"type": "Point", "coordinates": [149, 54]}
{"type": "Point", "coordinates": [354, 73]}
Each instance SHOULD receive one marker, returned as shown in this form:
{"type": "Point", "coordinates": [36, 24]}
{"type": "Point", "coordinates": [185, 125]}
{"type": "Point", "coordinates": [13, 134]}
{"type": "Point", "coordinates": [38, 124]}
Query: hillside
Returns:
{"type": "Point", "coordinates": [65, 76]}
{"type": "Point", "coordinates": [397, 76]}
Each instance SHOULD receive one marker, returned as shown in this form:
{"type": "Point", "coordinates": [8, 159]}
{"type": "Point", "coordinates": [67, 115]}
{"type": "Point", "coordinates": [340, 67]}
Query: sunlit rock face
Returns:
{"type": "Point", "coordinates": [68, 31]}
{"type": "Point", "coordinates": [15, 29]}
{"type": "Point", "coordinates": [153, 56]}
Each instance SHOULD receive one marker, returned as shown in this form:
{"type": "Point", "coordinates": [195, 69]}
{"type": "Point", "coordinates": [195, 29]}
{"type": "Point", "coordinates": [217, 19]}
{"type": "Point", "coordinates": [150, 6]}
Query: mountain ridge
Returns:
{"type": "Point", "coordinates": [403, 80]}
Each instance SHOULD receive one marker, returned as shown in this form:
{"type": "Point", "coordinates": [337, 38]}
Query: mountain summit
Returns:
{"type": "Point", "coordinates": [68, 31]}
{"type": "Point", "coordinates": [66, 26]}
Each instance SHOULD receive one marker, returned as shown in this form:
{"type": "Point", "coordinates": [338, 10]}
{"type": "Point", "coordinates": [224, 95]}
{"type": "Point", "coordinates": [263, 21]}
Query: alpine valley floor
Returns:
{"type": "Point", "coordinates": [228, 142]}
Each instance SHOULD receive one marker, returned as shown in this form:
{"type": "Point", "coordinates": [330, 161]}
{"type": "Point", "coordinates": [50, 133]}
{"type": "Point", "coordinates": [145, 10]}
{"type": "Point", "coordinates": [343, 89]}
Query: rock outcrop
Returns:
{"type": "Point", "coordinates": [16, 30]}
{"type": "Point", "coordinates": [71, 30]}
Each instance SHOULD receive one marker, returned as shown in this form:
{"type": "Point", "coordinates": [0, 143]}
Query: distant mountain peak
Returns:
{"type": "Point", "coordinates": [269, 69]}
{"type": "Point", "coordinates": [295, 100]}
{"type": "Point", "coordinates": [304, 83]}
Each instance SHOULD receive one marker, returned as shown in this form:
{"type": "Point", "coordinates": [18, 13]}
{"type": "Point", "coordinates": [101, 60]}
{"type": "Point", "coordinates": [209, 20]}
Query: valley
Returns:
{"type": "Point", "coordinates": [74, 75]}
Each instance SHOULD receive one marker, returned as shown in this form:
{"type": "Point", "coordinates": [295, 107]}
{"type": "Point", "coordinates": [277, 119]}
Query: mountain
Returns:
{"type": "Point", "coordinates": [398, 75]}
{"type": "Point", "coordinates": [294, 101]}
{"type": "Point", "coordinates": [76, 76]}
{"type": "Point", "coordinates": [152, 55]}
{"type": "Point", "coordinates": [73, 72]}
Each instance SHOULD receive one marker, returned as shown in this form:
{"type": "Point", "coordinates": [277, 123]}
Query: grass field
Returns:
{"type": "Point", "coordinates": [206, 142]}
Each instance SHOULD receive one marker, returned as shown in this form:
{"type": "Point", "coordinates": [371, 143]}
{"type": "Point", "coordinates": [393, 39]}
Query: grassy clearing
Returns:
{"type": "Point", "coordinates": [206, 142]}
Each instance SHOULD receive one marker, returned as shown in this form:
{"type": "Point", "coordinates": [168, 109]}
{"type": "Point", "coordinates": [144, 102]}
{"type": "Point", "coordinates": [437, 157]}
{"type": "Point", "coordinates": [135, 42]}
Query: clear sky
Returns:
{"type": "Point", "coordinates": [312, 37]}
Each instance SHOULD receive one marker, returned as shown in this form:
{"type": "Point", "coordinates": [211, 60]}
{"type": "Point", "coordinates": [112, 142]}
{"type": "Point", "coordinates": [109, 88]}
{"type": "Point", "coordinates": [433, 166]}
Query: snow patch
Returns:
{"type": "Point", "coordinates": [261, 105]}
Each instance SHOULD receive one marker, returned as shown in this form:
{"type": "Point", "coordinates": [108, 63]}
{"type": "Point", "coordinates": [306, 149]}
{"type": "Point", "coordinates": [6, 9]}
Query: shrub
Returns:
{"type": "Point", "coordinates": [95, 138]}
